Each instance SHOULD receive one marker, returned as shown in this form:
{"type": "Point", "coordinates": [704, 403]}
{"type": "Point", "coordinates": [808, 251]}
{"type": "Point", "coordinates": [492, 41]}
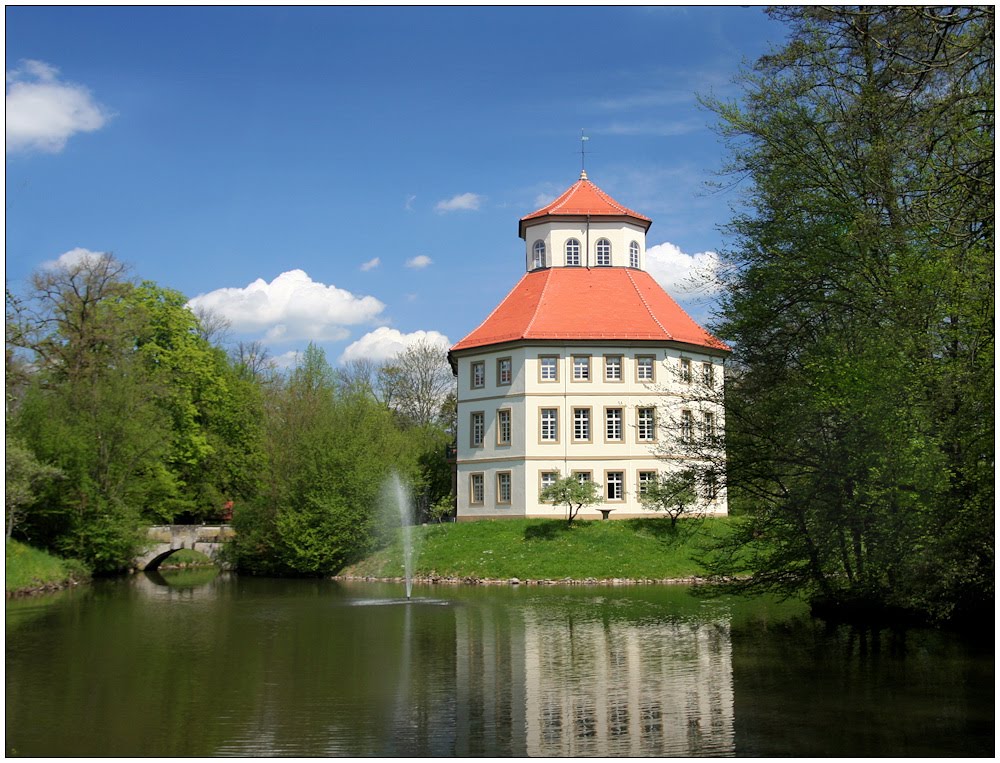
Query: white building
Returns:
{"type": "Point", "coordinates": [586, 367]}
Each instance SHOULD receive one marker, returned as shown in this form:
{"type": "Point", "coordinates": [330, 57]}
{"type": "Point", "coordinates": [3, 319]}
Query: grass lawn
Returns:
{"type": "Point", "coordinates": [29, 569]}
{"type": "Point", "coordinates": [545, 549]}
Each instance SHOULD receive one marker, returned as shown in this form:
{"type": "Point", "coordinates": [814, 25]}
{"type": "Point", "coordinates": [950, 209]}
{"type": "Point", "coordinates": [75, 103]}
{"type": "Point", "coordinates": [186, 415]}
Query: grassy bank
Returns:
{"type": "Point", "coordinates": [539, 549]}
{"type": "Point", "coordinates": [28, 569]}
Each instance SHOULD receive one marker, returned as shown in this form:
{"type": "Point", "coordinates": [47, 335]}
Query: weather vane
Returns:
{"type": "Point", "coordinates": [583, 152]}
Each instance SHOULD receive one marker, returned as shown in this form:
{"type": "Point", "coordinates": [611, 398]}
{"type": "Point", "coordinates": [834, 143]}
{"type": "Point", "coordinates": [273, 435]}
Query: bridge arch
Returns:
{"type": "Point", "coordinates": [164, 540]}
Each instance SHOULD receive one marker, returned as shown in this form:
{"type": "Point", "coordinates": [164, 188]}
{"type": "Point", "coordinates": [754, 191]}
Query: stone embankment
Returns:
{"type": "Point", "coordinates": [446, 580]}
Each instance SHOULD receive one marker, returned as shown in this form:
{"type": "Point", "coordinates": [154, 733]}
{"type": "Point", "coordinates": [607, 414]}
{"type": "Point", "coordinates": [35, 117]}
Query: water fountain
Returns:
{"type": "Point", "coordinates": [405, 506]}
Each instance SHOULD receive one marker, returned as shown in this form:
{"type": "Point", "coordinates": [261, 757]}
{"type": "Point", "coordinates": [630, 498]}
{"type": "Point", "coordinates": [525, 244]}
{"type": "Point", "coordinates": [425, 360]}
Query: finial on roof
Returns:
{"type": "Point", "coordinates": [583, 155]}
{"type": "Point", "coordinates": [583, 174]}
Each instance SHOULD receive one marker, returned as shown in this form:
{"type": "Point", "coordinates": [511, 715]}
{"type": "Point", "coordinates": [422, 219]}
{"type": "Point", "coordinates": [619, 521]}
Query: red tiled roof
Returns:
{"type": "Point", "coordinates": [581, 199]}
{"type": "Point", "coordinates": [588, 303]}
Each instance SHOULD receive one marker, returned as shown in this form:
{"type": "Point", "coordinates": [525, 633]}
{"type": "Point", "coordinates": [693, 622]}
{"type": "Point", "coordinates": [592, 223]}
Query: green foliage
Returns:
{"type": "Point", "coordinates": [328, 453]}
{"type": "Point", "coordinates": [572, 492]}
{"type": "Point", "coordinates": [28, 569]}
{"type": "Point", "coordinates": [860, 307]}
{"type": "Point", "coordinates": [674, 494]}
{"type": "Point", "coordinates": [25, 474]}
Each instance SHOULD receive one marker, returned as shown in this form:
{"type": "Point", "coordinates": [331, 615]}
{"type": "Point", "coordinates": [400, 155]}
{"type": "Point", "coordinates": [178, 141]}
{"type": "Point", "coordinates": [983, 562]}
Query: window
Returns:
{"type": "Point", "coordinates": [708, 374]}
{"type": "Point", "coordinates": [548, 368]}
{"type": "Point", "coordinates": [686, 370]}
{"type": "Point", "coordinates": [646, 424]}
{"type": "Point", "coordinates": [687, 424]}
{"type": "Point", "coordinates": [546, 480]}
{"type": "Point", "coordinates": [646, 478]}
{"type": "Point", "coordinates": [503, 487]}
{"type": "Point", "coordinates": [633, 254]}
{"type": "Point", "coordinates": [503, 371]}
{"type": "Point", "coordinates": [708, 425]}
{"type": "Point", "coordinates": [549, 431]}
{"type": "Point", "coordinates": [711, 486]}
{"type": "Point", "coordinates": [614, 486]}
{"type": "Point", "coordinates": [581, 368]}
{"type": "Point", "coordinates": [478, 374]}
{"type": "Point", "coordinates": [476, 488]}
{"type": "Point", "coordinates": [613, 424]}
{"type": "Point", "coordinates": [612, 368]}
{"type": "Point", "coordinates": [581, 424]}
{"type": "Point", "coordinates": [503, 426]}
{"type": "Point", "coordinates": [603, 252]}
{"type": "Point", "coordinates": [478, 428]}
{"type": "Point", "coordinates": [644, 367]}
{"type": "Point", "coordinates": [538, 254]}
{"type": "Point", "coordinates": [582, 477]}
{"type": "Point", "coordinates": [572, 252]}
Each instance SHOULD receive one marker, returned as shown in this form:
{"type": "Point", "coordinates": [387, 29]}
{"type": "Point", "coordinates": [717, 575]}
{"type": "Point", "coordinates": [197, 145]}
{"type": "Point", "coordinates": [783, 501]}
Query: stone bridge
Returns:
{"type": "Point", "coordinates": [166, 539]}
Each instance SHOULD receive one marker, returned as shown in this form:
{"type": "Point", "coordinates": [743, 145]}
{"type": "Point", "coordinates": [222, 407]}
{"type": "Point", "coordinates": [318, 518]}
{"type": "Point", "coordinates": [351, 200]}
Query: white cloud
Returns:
{"type": "Point", "coordinates": [292, 307]}
{"type": "Point", "coordinates": [374, 262]}
{"type": "Point", "coordinates": [418, 262]}
{"type": "Point", "coordinates": [72, 258]}
{"type": "Point", "coordinates": [384, 343]}
{"type": "Point", "coordinates": [410, 198]}
{"type": "Point", "coordinates": [463, 201]}
{"type": "Point", "coordinates": [43, 112]}
{"type": "Point", "coordinates": [681, 273]}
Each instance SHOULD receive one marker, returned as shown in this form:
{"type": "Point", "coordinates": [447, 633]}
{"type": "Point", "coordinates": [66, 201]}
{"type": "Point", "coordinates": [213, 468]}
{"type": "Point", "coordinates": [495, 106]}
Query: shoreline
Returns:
{"type": "Point", "coordinates": [513, 581]}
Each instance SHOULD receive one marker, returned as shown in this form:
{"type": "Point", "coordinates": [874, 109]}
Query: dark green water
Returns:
{"type": "Point", "coordinates": [194, 664]}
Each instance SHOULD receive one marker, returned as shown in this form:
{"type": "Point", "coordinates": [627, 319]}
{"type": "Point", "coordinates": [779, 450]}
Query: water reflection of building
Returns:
{"type": "Point", "coordinates": [623, 688]}
{"type": "Point", "coordinates": [560, 686]}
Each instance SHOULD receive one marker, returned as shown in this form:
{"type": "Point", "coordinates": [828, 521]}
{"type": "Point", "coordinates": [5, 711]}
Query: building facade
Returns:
{"type": "Point", "coordinates": [587, 367]}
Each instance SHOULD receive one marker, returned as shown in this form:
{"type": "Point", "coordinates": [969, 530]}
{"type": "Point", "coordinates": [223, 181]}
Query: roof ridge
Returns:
{"type": "Point", "coordinates": [642, 298]}
{"type": "Point", "coordinates": [538, 304]}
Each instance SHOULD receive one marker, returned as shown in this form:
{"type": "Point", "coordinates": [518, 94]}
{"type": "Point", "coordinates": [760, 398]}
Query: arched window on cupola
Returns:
{"type": "Point", "coordinates": [572, 252]}
{"type": "Point", "coordinates": [603, 252]}
{"type": "Point", "coordinates": [538, 254]}
{"type": "Point", "coordinates": [633, 254]}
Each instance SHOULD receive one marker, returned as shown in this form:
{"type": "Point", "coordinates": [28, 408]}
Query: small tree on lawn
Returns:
{"type": "Point", "coordinates": [573, 492]}
{"type": "Point", "coordinates": [675, 494]}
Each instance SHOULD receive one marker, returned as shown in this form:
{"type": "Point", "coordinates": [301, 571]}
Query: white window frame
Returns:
{"type": "Point", "coordinates": [505, 371]}
{"type": "Point", "coordinates": [614, 486]}
{"type": "Point", "coordinates": [505, 426]}
{"type": "Point", "coordinates": [477, 428]}
{"type": "Point", "coordinates": [581, 420]}
{"type": "Point", "coordinates": [708, 374]}
{"type": "Point", "coordinates": [686, 426]}
{"type": "Point", "coordinates": [477, 378]}
{"type": "Point", "coordinates": [548, 427]}
{"type": "Point", "coordinates": [572, 250]}
{"type": "Point", "coordinates": [548, 363]}
{"type": "Point", "coordinates": [613, 420]}
{"type": "Point", "coordinates": [643, 479]}
{"type": "Point", "coordinates": [645, 427]}
{"type": "Point", "coordinates": [614, 366]}
{"type": "Point", "coordinates": [477, 484]}
{"type": "Point", "coordinates": [538, 254]}
{"type": "Point", "coordinates": [685, 372]}
{"type": "Point", "coordinates": [504, 479]}
{"type": "Point", "coordinates": [581, 363]}
{"type": "Point", "coordinates": [603, 250]}
{"type": "Point", "coordinates": [546, 478]}
{"type": "Point", "coordinates": [633, 254]}
{"type": "Point", "coordinates": [645, 368]}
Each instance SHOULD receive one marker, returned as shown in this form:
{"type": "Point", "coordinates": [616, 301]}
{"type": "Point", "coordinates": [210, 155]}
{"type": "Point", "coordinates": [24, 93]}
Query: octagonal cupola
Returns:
{"type": "Point", "coordinates": [584, 227]}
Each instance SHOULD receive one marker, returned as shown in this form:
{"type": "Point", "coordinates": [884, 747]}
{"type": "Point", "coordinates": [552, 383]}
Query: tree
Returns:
{"type": "Point", "coordinates": [24, 475]}
{"type": "Point", "coordinates": [674, 494]}
{"type": "Point", "coordinates": [416, 383]}
{"type": "Point", "coordinates": [859, 303]}
{"type": "Point", "coordinates": [573, 492]}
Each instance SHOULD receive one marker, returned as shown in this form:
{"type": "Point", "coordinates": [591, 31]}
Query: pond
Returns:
{"type": "Point", "coordinates": [195, 663]}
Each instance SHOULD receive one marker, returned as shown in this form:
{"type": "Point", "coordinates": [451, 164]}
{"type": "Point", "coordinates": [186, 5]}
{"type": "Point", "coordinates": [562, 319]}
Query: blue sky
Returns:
{"type": "Point", "coordinates": [354, 175]}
